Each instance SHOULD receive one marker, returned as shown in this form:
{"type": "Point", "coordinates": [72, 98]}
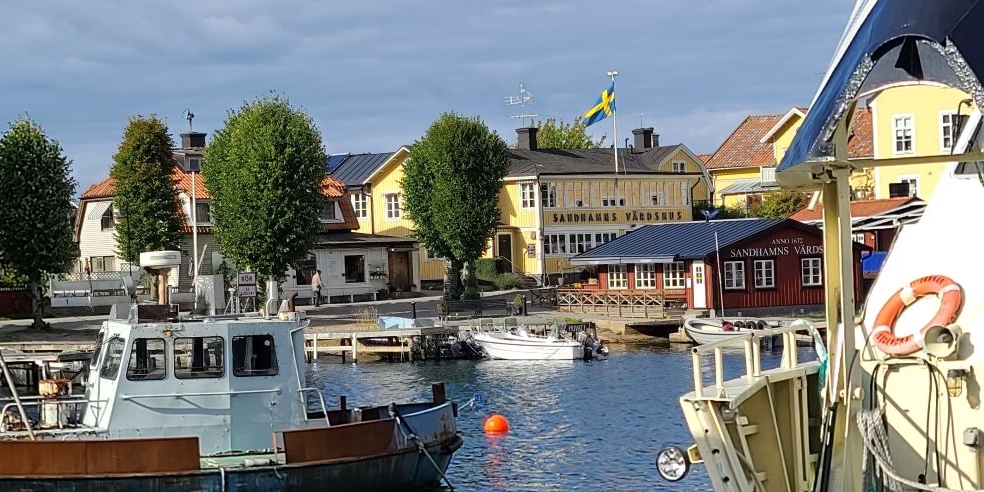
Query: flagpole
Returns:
{"type": "Point", "coordinates": [612, 74]}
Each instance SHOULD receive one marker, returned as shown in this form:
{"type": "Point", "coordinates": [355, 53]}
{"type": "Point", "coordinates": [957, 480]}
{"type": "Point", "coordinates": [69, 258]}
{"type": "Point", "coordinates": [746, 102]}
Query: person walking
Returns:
{"type": "Point", "coordinates": [316, 288]}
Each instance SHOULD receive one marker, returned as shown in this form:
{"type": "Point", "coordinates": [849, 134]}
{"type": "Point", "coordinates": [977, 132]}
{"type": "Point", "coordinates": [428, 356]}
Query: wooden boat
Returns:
{"type": "Point", "coordinates": [216, 404]}
{"type": "Point", "coordinates": [710, 330]}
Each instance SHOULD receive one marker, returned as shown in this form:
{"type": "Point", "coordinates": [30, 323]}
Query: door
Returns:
{"type": "Point", "coordinates": [700, 286]}
{"type": "Point", "coordinates": [399, 270]}
{"type": "Point", "coordinates": [504, 250]}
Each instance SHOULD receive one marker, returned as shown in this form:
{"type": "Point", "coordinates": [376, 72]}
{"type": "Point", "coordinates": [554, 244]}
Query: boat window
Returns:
{"type": "Point", "coordinates": [147, 360]}
{"type": "Point", "coordinates": [114, 358]}
{"type": "Point", "coordinates": [199, 357]}
{"type": "Point", "coordinates": [254, 355]}
{"type": "Point", "coordinates": [99, 346]}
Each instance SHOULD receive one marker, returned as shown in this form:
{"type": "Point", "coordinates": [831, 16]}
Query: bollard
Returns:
{"type": "Point", "coordinates": [524, 305]}
{"type": "Point", "coordinates": [413, 309]}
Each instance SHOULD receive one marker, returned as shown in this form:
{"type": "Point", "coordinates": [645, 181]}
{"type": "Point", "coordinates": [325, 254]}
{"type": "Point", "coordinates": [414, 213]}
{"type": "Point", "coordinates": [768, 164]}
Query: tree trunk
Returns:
{"type": "Point", "coordinates": [34, 286]}
{"type": "Point", "coordinates": [452, 280]}
{"type": "Point", "coordinates": [163, 294]}
{"type": "Point", "coordinates": [471, 281]}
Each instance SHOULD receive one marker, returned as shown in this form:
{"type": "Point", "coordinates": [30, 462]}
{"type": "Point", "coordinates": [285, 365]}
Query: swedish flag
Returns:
{"type": "Point", "coordinates": [602, 108]}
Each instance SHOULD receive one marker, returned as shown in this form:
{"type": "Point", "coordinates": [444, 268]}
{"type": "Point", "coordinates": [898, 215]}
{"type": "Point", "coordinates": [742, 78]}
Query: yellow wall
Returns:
{"type": "Point", "coordinates": [726, 177]}
{"type": "Point", "coordinates": [784, 136]}
{"type": "Point", "coordinates": [510, 204]}
{"type": "Point", "coordinates": [924, 102]}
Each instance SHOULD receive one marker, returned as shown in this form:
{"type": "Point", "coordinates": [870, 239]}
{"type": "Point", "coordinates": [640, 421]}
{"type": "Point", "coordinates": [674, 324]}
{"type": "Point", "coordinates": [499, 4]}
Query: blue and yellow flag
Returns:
{"type": "Point", "coordinates": [604, 107]}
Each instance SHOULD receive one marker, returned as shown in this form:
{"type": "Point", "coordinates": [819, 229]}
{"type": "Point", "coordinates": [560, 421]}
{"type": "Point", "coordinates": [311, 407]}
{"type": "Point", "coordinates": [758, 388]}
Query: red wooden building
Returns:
{"type": "Point", "coordinates": [766, 266]}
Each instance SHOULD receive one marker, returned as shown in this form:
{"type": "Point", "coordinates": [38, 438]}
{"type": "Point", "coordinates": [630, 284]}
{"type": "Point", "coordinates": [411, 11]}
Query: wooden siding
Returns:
{"type": "Point", "coordinates": [93, 239]}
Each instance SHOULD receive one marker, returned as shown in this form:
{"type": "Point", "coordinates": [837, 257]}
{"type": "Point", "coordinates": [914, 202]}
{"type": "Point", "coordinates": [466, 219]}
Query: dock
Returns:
{"type": "Point", "coordinates": [424, 343]}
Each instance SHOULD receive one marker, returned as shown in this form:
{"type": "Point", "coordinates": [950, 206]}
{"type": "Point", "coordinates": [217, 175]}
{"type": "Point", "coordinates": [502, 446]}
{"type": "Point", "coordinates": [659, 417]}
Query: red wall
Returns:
{"type": "Point", "coordinates": [14, 302]}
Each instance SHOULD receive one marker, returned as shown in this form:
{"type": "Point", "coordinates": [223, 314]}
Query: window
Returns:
{"type": "Point", "coordinates": [114, 358]}
{"type": "Point", "coordinates": [328, 210]}
{"type": "Point", "coordinates": [147, 360]}
{"type": "Point", "coordinates": [617, 277]}
{"type": "Point", "coordinates": [392, 205]}
{"type": "Point", "coordinates": [698, 274]}
{"type": "Point", "coordinates": [108, 220]}
{"type": "Point", "coordinates": [858, 237]}
{"type": "Point", "coordinates": [678, 166]}
{"type": "Point", "coordinates": [355, 269]}
{"type": "Point", "coordinates": [102, 263]}
{"type": "Point", "coordinates": [203, 212]}
{"type": "Point", "coordinates": [765, 274]}
{"type": "Point", "coordinates": [948, 129]}
{"type": "Point", "coordinates": [684, 193]}
{"type": "Point", "coordinates": [254, 355]}
{"type": "Point", "coordinates": [913, 182]}
{"type": "Point", "coordinates": [603, 237]}
{"type": "Point", "coordinates": [199, 357]}
{"type": "Point", "coordinates": [673, 275]}
{"type": "Point", "coordinates": [578, 243]}
{"type": "Point", "coordinates": [548, 195]}
{"type": "Point", "coordinates": [555, 244]}
{"type": "Point", "coordinates": [610, 202]}
{"type": "Point", "coordinates": [527, 194]}
{"type": "Point", "coordinates": [657, 199]}
{"type": "Point", "coordinates": [430, 255]}
{"type": "Point", "coordinates": [360, 204]}
{"type": "Point", "coordinates": [645, 276]}
{"type": "Point", "coordinates": [810, 272]}
{"type": "Point", "coordinates": [902, 125]}
{"type": "Point", "coordinates": [734, 275]}
{"type": "Point", "coordinates": [767, 174]}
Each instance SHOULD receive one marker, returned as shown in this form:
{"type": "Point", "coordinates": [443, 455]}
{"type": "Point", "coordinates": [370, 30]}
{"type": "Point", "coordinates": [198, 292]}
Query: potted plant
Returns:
{"type": "Point", "coordinates": [518, 302]}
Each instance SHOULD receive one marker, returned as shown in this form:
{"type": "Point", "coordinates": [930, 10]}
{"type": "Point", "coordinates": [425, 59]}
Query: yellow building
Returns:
{"type": "Point", "coordinates": [554, 203]}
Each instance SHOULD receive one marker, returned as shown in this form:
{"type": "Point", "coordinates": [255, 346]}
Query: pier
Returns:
{"type": "Point", "coordinates": [401, 344]}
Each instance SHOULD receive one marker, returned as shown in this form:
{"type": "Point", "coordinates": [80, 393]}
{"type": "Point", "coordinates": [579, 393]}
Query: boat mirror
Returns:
{"type": "Point", "coordinates": [941, 341]}
{"type": "Point", "coordinates": [672, 463]}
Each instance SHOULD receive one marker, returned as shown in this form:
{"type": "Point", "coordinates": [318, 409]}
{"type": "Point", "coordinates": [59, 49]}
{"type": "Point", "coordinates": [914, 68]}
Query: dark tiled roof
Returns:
{"type": "Point", "coordinates": [354, 169]}
{"type": "Point", "coordinates": [334, 160]}
{"type": "Point", "coordinates": [585, 161]}
{"type": "Point", "coordinates": [682, 240]}
{"type": "Point", "coordinates": [357, 238]}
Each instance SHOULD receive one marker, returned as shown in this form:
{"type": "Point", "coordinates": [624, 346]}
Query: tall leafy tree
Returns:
{"type": "Point", "coordinates": [264, 170]}
{"type": "Point", "coordinates": [779, 204]}
{"type": "Point", "coordinates": [451, 186]}
{"type": "Point", "coordinates": [36, 190]}
{"type": "Point", "coordinates": [558, 134]}
{"type": "Point", "coordinates": [146, 201]}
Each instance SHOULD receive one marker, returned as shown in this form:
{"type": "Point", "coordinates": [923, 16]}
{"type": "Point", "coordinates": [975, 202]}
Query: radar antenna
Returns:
{"type": "Point", "coordinates": [524, 100]}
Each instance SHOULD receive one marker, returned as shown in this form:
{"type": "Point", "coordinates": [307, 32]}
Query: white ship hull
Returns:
{"type": "Point", "coordinates": [497, 346]}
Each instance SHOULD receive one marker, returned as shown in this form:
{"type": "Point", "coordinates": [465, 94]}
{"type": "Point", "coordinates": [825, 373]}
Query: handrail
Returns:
{"type": "Point", "coordinates": [206, 393]}
{"type": "Point", "coordinates": [321, 398]}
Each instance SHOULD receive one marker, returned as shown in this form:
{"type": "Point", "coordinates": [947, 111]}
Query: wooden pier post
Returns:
{"type": "Point", "coordinates": [355, 349]}
{"type": "Point", "coordinates": [437, 389]}
{"type": "Point", "coordinates": [315, 345]}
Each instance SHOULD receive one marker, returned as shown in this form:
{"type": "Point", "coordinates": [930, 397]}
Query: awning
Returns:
{"type": "Point", "coordinates": [95, 210]}
{"type": "Point", "coordinates": [754, 186]}
{"type": "Point", "coordinates": [621, 260]}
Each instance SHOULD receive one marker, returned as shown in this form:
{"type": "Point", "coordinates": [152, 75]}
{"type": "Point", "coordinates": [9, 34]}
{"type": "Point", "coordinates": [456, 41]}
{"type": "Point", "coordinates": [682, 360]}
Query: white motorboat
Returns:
{"type": "Point", "coordinates": [523, 346]}
{"type": "Point", "coordinates": [710, 330]}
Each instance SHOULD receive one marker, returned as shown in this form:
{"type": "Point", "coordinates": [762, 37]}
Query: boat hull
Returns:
{"type": "Point", "coordinates": [704, 332]}
{"type": "Point", "coordinates": [505, 349]}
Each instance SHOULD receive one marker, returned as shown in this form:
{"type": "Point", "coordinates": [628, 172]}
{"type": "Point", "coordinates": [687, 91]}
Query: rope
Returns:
{"type": "Point", "coordinates": [410, 435]}
{"type": "Point", "coordinates": [875, 439]}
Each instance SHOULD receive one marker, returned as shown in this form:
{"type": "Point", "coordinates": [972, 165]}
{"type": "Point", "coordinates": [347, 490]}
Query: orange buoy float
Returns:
{"type": "Point", "coordinates": [951, 300]}
{"type": "Point", "coordinates": [496, 423]}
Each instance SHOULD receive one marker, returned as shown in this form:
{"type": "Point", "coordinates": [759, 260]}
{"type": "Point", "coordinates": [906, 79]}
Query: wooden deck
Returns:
{"type": "Point", "coordinates": [623, 303]}
{"type": "Point", "coordinates": [356, 342]}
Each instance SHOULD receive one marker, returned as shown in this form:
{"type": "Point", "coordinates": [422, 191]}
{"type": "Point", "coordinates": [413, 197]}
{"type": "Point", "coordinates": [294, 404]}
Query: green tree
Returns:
{"type": "Point", "coordinates": [36, 190]}
{"type": "Point", "coordinates": [558, 134]}
{"type": "Point", "coordinates": [264, 170]}
{"type": "Point", "coordinates": [146, 200]}
{"type": "Point", "coordinates": [451, 185]}
{"type": "Point", "coordinates": [779, 204]}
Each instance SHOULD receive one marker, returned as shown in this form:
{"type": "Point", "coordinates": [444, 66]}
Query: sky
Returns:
{"type": "Point", "coordinates": [374, 74]}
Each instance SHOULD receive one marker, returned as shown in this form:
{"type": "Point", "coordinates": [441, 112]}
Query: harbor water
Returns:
{"type": "Point", "coordinates": [574, 425]}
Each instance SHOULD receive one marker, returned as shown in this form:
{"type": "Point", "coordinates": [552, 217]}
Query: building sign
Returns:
{"type": "Point", "coordinates": [246, 284]}
{"type": "Point", "coordinates": [780, 247]}
{"type": "Point", "coordinates": [531, 251]}
{"type": "Point", "coordinates": [645, 216]}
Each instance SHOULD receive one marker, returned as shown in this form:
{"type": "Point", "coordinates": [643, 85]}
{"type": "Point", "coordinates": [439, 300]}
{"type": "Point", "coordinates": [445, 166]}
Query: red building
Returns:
{"type": "Point", "coordinates": [756, 266]}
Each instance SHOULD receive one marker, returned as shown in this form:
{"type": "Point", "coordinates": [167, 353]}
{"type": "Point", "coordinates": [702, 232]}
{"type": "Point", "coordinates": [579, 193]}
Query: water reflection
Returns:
{"type": "Point", "coordinates": [574, 425]}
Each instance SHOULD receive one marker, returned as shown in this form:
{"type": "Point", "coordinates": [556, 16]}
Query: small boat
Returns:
{"type": "Point", "coordinates": [522, 345]}
{"type": "Point", "coordinates": [710, 330]}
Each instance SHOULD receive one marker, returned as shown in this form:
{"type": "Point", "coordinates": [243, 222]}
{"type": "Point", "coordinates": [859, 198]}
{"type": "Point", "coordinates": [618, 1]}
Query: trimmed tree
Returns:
{"type": "Point", "coordinates": [558, 134]}
{"type": "Point", "coordinates": [36, 190]}
{"type": "Point", "coordinates": [146, 201]}
{"type": "Point", "coordinates": [451, 185]}
{"type": "Point", "coordinates": [264, 169]}
{"type": "Point", "coordinates": [779, 204]}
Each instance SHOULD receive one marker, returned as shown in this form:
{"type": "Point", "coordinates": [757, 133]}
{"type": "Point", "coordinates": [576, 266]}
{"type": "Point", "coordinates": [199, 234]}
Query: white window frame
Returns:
{"type": "Point", "coordinates": [673, 275]}
{"type": "Point", "coordinates": [765, 273]}
{"type": "Point", "coordinates": [767, 174]}
{"type": "Point", "coordinates": [913, 180]}
{"type": "Point", "coordinates": [911, 127]}
{"type": "Point", "coordinates": [208, 213]}
{"type": "Point", "coordinates": [393, 209]}
{"type": "Point", "coordinates": [858, 237]}
{"type": "Point", "coordinates": [548, 195]}
{"type": "Point", "coordinates": [684, 193]}
{"type": "Point", "coordinates": [618, 277]}
{"type": "Point", "coordinates": [331, 212]}
{"type": "Point", "coordinates": [678, 166]}
{"type": "Point", "coordinates": [604, 237]}
{"type": "Point", "coordinates": [360, 204]}
{"type": "Point", "coordinates": [555, 244]}
{"type": "Point", "coordinates": [527, 195]}
{"type": "Point", "coordinates": [734, 275]}
{"type": "Point", "coordinates": [811, 272]}
{"type": "Point", "coordinates": [657, 199]}
{"type": "Point", "coordinates": [645, 275]}
{"type": "Point", "coordinates": [579, 242]}
{"type": "Point", "coordinates": [610, 201]}
{"type": "Point", "coordinates": [947, 120]}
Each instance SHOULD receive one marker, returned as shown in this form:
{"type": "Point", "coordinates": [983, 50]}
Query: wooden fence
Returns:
{"type": "Point", "coordinates": [622, 302]}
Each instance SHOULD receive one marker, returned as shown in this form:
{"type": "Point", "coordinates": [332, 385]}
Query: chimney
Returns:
{"type": "Point", "coordinates": [643, 139]}
{"type": "Point", "coordinates": [527, 138]}
{"type": "Point", "coordinates": [656, 140]}
{"type": "Point", "coordinates": [193, 140]}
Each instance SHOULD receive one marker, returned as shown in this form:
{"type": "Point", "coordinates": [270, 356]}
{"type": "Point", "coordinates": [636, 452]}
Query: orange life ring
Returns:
{"type": "Point", "coordinates": [951, 299]}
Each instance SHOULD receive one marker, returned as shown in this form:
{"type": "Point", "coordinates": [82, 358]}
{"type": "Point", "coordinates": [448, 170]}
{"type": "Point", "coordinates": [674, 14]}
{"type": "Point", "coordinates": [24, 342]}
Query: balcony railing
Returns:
{"type": "Point", "coordinates": [620, 302]}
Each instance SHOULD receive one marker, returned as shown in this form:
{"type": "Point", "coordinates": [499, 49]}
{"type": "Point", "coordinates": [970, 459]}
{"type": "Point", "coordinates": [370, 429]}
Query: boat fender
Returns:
{"type": "Point", "coordinates": [762, 324]}
{"type": "Point", "coordinates": [951, 301]}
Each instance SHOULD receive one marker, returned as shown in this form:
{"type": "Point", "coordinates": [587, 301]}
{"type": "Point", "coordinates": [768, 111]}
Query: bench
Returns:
{"type": "Point", "coordinates": [476, 307]}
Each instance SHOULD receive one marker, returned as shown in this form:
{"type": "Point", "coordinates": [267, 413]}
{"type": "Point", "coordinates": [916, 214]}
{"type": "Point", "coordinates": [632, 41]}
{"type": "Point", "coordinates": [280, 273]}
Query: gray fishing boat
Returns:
{"type": "Point", "coordinates": [215, 404]}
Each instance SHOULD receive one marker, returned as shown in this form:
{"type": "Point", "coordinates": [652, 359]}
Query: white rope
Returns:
{"type": "Point", "coordinates": [875, 440]}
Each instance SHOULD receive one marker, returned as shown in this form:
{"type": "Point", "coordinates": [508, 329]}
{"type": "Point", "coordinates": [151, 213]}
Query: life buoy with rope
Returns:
{"type": "Point", "coordinates": [951, 300]}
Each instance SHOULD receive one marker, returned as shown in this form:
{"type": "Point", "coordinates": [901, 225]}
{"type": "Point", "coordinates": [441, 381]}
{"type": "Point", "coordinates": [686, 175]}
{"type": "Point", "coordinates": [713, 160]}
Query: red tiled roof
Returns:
{"type": "Point", "coordinates": [859, 208]}
{"type": "Point", "coordinates": [705, 157]}
{"type": "Point", "coordinates": [742, 148]}
{"type": "Point", "coordinates": [103, 189]}
{"type": "Point", "coordinates": [182, 180]}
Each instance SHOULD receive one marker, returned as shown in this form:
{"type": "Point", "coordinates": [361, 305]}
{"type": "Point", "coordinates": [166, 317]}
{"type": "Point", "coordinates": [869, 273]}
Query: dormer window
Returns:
{"type": "Point", "coordinates": [194, 164]}
{"type": "Point", "coordinates": [108, 220]}
{"type": "Point", "coordinates": [329, 213]}
{"type": "Point", "coordinates": [203, 212]}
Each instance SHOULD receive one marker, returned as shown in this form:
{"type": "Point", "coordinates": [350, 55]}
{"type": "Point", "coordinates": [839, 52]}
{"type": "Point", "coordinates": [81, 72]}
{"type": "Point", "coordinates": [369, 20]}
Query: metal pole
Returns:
{"type": "Point", "coordinates": [717, 255]}
{"type": "Point", "coordinates": [612, 74]}
{"type": "Point", "coordinates": [194, 240]}
{"type": "Point", "coordinates": [413, 309]}
{"type": "Point", "coordinates": [13, 392]}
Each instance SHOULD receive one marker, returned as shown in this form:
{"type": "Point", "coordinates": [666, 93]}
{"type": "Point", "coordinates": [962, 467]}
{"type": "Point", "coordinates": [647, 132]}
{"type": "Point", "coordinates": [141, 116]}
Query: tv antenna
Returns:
{"type": "Point", "coordinates": [524, 99]}
{"type": "Point", "coordinates": [189, 116]}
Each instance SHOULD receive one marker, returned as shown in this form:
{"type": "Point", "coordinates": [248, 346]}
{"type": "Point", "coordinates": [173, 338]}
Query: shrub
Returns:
{"type": "Point", "coordinates": [485, 269]}
{"type": "Point", "coordinates": [508, 281]}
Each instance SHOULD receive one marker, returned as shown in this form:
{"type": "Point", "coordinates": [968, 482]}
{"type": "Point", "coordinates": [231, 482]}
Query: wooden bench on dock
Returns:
{"type": "Point", "coordinates": [475, 307]}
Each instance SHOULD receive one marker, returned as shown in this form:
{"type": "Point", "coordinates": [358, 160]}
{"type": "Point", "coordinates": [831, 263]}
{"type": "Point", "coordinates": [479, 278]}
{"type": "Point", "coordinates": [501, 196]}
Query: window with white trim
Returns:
{"type": "Point", "coordinates": [858, 237]}
{"type": "Point", "coordinates": [617, 277]}
{"type": "Point", "coordinates": [811, 272]}
{"type": "Point", "coordinates": [678, 166]}
{"type": "Point", "coordinates": [948, 129]}
{"type": "Point", "coordinates": [902, 128]}
{"type": "Point", "coordinates": [527, 195]}
{"type": "Point", "coordinates": [611, 202]}
{"type": "Point", "coordinates": [645, 275]}
{"type": "Point", "coordinates": [360, 203]}
{"type": "Point", "coordinates": [767, 174]}
{"type": "Point", "coordinates": [548, 195]}
{"type": "Point", "coordinates": [657, 199]}
{"type": "Point", "coordinates": [734, 275]}
{"type": "Point", "coordinates": [684, 193]}
{"type": "Point", "coordinates": [578, 243]}
{"type": "Point", "coordinates": [328, 211]}
{"type": "Point", "coordinates": [555, 244]}
{"type": "Point", "coordinates": [765, 274]}
{"type": "Point", "coordinates": [393, 210]}
{"type": "Point", "coordinates": [603, 237]}
{"type": "Point", "coordinates": [913, 181]}
{"type": "Point", "coordinates": [203, 212]}
{"type": "Point", "coordinates": [673, 275]}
